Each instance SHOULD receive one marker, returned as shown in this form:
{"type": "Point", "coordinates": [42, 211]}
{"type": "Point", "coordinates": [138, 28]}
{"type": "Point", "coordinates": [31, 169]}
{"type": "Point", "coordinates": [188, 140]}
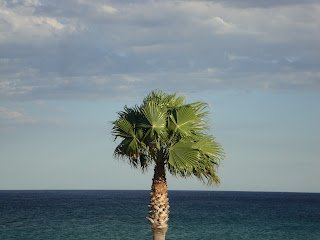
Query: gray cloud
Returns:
{"type": "Point", "coordinates": [77, 49]}
{"type": "Point", "coordinates": [264, 4]}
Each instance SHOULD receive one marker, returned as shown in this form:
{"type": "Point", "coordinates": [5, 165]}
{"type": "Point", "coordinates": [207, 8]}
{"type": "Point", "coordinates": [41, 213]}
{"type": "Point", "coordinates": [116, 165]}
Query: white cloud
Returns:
{"type": "Point", "coordinates": [107, 9]}
{"type": "Point", "coordinates": [234, 57]}
{"type": "Point", "coordinates": [292, 59]}
{"type": "Point", "coordinates": [220, 26]}
{"type": "Point", "coordinates": [9, 117]}
{"type": "Point", "coordinates": [6, 114]}
{"type": "Point", "coordinates": [21, 24]}
{"type": "Point", "coordinates": [97, 49]}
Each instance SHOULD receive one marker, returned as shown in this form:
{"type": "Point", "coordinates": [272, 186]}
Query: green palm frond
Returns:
{"type": "Point", "coordinates": [123, 128]}
{"type": "Point", "coordinates": [129, 146]}
{"type": "Point", "coordinates": [165, 128]}
{"type": "Point", "coordinates": [178, 102]}
{"type": "Point", "coordinates": [172, 101]}
{"type": "Point", "coordinates": [207, 175]}
{"type": "Point", "coordinates": [186, 122]}
{"type": "Point", "coordinates": [156, 117]}
{"type": "Point", "coordinates": [131, 149]}
{"type": "Point", "coordinates": [189, 120]}
{"type": "Point", "coordinates": [201, 115]}
{"type": "Point", "coordinates": [182, 158]}
{"type": "Point", "coordinates": [156, 96]}
{"type": "Point", "coordinates": [198, 159]}
{"type": "Point", "coordinates": [172, 124]}
{"type": "Point", "coordinates": [209, 148]}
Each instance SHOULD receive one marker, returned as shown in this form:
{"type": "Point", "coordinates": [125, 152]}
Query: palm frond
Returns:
{"type": "Point", "coordinates": [209, 148]}
{"type": "Point", "coordinates": [165, 128]}
{"type": "Point", "coordinates": [186, 121]}
{"type": "Point", "coordinates": [156, 117]}
{"type": "Point", "coordinates": [183, 157]}
{"type": "Point", "coordinates": [123, 126]}
{"type": "Point", "coordinates": [207, 176]}
{"type": "Point", "coordinates": [155, 96]}
{"type": "Point", "coordinates": [200, 159]}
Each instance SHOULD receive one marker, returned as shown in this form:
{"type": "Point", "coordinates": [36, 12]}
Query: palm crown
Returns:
{"type": "Point", "coordinates": [166, 130]}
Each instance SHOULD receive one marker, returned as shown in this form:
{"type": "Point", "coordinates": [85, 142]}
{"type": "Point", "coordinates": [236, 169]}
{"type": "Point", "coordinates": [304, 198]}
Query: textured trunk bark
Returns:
{"type": "Point", "coordinates": [159, 203]}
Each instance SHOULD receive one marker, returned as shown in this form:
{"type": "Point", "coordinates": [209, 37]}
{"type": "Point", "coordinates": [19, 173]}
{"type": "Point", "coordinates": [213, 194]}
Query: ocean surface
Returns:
{"type": "Point", "coordinates": [205, 215]}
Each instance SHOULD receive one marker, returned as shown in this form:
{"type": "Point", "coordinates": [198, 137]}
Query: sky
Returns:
{"type": "Point", "coordinates": [67, 68]}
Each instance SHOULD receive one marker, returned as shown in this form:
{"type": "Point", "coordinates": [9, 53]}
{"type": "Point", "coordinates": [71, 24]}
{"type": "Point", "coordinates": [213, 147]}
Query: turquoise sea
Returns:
{"type": "Point", "coordinates": [205, 215]}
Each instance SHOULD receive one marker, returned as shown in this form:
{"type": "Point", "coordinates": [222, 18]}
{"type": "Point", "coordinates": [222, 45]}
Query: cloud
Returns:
{"type": "Point", "coordinates": [220, 26]}
{"type": "Point", "coordinates": [106, 9]}
{"type": "Point", "coordinates": [264, 4]}
{"type": "Point", "coordinates": [9, 117]}
{"type": "Point", "coordinates": [20, 25]}
{"type": "Point", "coordinates": [104, 49]}
{"type": "Point", "coordinates": [6, 114]}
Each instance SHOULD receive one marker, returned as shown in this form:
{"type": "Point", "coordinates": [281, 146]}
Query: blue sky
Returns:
{"type": "Point", "coordinates": [67, 67]}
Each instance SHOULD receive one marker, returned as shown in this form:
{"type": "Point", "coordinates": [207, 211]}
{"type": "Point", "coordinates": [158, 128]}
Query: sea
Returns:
{"type": "Point", "coordinates": [203, 215]}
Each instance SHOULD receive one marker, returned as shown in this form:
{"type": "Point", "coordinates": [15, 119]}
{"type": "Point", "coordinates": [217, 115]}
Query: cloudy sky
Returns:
{"type": "Point", "coordinates": [67, 67]}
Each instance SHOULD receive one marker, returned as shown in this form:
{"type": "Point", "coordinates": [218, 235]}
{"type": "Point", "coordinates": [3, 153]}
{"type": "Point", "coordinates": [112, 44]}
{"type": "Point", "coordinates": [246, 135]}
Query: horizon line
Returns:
{"type": "Point", "coordinates": [259, 191]}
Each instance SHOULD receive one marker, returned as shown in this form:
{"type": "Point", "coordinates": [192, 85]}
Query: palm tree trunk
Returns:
{"type": "Point", "coordinates": [159, 203]}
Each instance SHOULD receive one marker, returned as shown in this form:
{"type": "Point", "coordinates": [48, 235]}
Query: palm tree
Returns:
{"type": "Point", "coordinates": [167, 132]}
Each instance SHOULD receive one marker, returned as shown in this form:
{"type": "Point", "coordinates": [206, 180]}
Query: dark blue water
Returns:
{"type": "Point", "coordinates": [194, 215]}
